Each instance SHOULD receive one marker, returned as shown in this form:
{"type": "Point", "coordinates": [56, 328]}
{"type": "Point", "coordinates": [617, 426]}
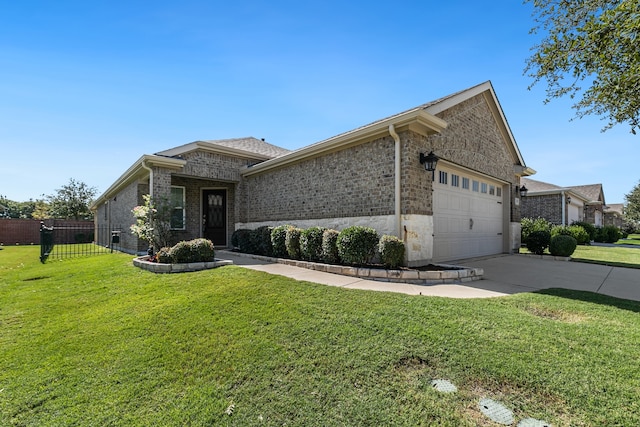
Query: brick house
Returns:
{"type": "Point", "coordinates": [371, 176]}
{"type": "Point", "coordinates": [563, 205]}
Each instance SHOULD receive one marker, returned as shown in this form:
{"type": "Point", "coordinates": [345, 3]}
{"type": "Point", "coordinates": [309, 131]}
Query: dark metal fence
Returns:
{"type": "Point", "coordinates": [71, 241]}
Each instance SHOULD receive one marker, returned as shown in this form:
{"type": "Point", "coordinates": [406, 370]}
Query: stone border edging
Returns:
{"type": "Point", "coordinates": [547, 257]}
{"type": "Point", "coordinates": [416, 277]}
{"type": "Point", "coordinates": [155, 267]}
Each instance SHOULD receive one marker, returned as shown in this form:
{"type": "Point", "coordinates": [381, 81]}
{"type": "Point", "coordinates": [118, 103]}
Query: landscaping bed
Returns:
{"type": "Point", "coordinates": [428, 275]}
{"type": "Point", "coordinates": [157, 267]}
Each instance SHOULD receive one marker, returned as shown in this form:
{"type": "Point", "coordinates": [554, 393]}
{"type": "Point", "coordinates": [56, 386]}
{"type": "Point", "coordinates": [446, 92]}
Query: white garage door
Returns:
{"type": "Point", "coordinates": [468, 215]}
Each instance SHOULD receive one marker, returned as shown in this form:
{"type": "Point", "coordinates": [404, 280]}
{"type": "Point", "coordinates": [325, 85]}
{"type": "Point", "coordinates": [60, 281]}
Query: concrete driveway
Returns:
{"type": "Point", "coordinates": [510, 274]}
{"type": "Point", "coordinates": [503, 275]}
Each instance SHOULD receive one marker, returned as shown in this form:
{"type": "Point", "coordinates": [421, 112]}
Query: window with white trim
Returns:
{"type": "Point", "coordinates": [177, 208]}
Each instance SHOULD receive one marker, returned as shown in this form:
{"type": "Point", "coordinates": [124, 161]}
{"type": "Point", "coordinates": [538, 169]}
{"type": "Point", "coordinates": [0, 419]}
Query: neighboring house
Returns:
{"type": "Point", "coordinates": [614, 215]}
{"type": "Point", "coordinates": [563, 205]}
{"type": "Point", "coordinates": [370, 176]}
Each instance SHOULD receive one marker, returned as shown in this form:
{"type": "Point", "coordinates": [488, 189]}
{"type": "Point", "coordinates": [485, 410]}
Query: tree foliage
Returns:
{"type": "Point", "coordinates": [594, 43]}
{"type": "Point", "coordinates": [13, 209]}
{"type": "Point", "coordinates": [632, 208]}
{"type": "Point", "coordinates": [72, 201]}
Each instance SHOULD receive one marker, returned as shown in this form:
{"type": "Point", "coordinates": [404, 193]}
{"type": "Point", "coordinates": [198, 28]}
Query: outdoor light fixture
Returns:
{"type": "Point", "coordinates": [569, 200]}
{"type": "Point", "coordinates": [429, 161]}
{"type": "Point", "coordinates": [523, 191]}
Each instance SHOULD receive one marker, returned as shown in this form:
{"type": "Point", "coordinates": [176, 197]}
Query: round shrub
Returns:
{"type": "Point", "coordinates": [241, 239]}
{"type": "Point", "coordinates": [292, 241]}
{"type": "Point", "coordinates": [391, 251]}
{"type": "Point", "coordinates": [180, 252]}
{"type": "Point", "coordinates": [357, 244]}
{"type": "Point", "coordinates": [562, 245]}
{"type": "Point", "coordinates": [589, 228]}
{"type": "Point", "coordinates": [608, 234]}
{"type": "Point", "coordinates": [164, 255]}
{"type": "Point", "coordinates": [575, 231]}
{"type": "Point", "coordinates": [330, 246]}
{"type": "Point", "coordinates": [529, 225]}
{"type": "Point", "coordinates": [279, 241]}
{"type": "Point", "coordinates": [261, 240]}
{"type": "Point", "coordinates": [538, 241]}
{"type": "Point", "coordinates": [202, 250]}
{"type": "Point", "coordinates": [311, 243]}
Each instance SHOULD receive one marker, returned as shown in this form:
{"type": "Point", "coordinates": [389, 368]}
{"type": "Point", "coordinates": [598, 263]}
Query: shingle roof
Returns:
{"type": "Point", "coordinates": [251, 145]}
{"type": "Point", "coordinates": [248, 145]}
{"type": "Point", "coordinates": [534, 185]}
{"type": "Point", "coordinates": [592, 191]}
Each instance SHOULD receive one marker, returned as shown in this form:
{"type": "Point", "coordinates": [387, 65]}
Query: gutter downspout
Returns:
{"type": "Point", "coordinates": [144, 165]}
{"type": "Point", "coordinates": [396, 138]}
{"type": "Point", "coordinates": [564, 208]}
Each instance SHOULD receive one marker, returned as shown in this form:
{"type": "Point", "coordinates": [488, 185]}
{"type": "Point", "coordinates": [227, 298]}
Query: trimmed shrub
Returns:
{"type": "Point", "coordinates": [589, 228]}
{"type": "Point", "coordinates": [529, 225]}
{"type": "Point", "coordinates": [357, 245]}
{"type": "Point", "coordinates": [391, 251]}
{"type": "Point", "coordinates": [292, 242]}
{"type": "Point", "coordinates": [575, 231]}
{"type": "Point", "coordinates": [538, 241]}
{"type": "Point", "coordinates": [261, 240]}
{"type": "Point", "coordinates": [608, 234]}
{"type": "Point", "coordinates": [180, 252]}
{"type": "Point", "coordinates": [279, 241]}
{"type": "Point", "coordinates": [202, 250]}
{"type": "Point", "coordinates": [562, 245]}
{"type": "Point", "coordinates": [330, 246]}
{"type": "Point", "coordinates": [241, 240]}
{"type": "Point", "coordinates": [311, 243]}
{"type": "Point", "coordinates": [164, 255]}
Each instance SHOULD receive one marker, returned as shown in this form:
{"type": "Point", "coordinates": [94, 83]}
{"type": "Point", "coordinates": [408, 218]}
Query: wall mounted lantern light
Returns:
{"type": "Point", "coordinates": [522, 190]}
{"type": "Point", "coordinates": [429, 161]}
{"type": "Point", "coordinates": [568, 200]}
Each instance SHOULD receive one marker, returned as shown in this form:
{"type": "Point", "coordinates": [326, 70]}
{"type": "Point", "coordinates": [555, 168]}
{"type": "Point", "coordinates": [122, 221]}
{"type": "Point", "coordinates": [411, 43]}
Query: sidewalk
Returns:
{"type": "Point", "coordinates": [503, 275]}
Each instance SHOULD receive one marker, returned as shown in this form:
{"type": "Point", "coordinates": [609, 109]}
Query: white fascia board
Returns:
{"type": "Point", "coordinates": [426, 122]}
{"type": "Point", "coordinates": [136, 171]}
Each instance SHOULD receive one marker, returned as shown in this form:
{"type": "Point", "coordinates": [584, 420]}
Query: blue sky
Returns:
{"type": "Point", "coordinates": [86, 88]}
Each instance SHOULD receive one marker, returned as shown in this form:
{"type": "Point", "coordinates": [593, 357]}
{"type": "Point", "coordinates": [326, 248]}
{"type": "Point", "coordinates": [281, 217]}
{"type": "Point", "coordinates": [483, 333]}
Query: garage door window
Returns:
{"type": "Point", "coordinates": [476, 186]}
{"type": "Point", "coordinates": [455, 180]}
{"type": "Point", "coordinates": [483, 188]}
{"type": "Point", "coordinates": [443, 177]}
{"type": "Point", "coordinates": [465, 183]}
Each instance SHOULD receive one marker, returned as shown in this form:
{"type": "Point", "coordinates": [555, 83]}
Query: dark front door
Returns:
{"type": "Point", "coordinates": [214, 216]}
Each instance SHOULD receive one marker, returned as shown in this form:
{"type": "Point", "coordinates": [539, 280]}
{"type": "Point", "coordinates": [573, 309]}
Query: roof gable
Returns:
{"type": "Point", "coordinates": [244, 147]}
{"type": "Point", "coordinates": [593, 191]}
{"type": "Point", "coordinates": [422, 118]}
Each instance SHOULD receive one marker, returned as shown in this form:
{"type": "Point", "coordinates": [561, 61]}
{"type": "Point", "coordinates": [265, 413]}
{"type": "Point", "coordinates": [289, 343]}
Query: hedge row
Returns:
{"type": "Point", "coordinates": [355, 245]}
{"type": "Point", "coordinates": [583, 232]}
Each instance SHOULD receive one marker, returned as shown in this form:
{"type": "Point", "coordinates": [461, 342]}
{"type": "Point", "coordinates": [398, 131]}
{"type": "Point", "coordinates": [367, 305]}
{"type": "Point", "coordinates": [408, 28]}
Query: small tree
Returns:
{"type": "Point", "coordinates": [153, 224]}
{"type": "Point", "coordinates": [632, 208]}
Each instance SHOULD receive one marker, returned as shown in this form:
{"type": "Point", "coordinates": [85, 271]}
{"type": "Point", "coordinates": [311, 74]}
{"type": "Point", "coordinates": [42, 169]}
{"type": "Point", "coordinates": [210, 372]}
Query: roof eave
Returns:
{"type": "Point", "coordinates": [137, 171]}
{"type": "Point", "coordinates": [416, 120]}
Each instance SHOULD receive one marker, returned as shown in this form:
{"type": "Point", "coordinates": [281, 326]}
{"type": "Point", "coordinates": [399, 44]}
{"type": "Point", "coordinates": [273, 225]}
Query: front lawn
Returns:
{"type": "Point", "coordinates": [96, 341]}
{"type": "Point", "coordinates": [632, 239]}
{"type": "Point", "coordinates": [609, 255]}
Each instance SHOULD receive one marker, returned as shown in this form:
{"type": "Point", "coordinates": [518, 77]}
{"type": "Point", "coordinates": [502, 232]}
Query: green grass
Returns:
{"type": "Point", "coordinates": [96, 341]}
{"type": "Point", "coordinates": [608, 255]}
{"type": "Point", "coordinates": [632, 239]}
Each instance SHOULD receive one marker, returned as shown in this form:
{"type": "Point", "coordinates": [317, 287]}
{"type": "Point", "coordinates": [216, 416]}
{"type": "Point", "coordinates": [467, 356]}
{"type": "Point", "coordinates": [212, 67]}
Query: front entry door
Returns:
{"type": "Point", "coordinates": [214, 216]}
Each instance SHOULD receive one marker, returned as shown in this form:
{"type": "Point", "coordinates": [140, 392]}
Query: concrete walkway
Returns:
{"type": "Point", "coordinates": [503, 275]}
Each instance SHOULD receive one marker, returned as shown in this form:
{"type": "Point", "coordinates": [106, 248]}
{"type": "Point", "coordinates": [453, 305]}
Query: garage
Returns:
{"type": "Point", "coordinates": [468, 217]}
